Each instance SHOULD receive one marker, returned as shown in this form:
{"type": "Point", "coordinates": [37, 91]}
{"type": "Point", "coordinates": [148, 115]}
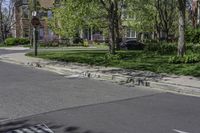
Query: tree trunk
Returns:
{"type": "Point", "coordinates": [112, 40]}
{"type": "Point", "coordinates": [181, 41]}
{"type": "Point", "coordinates": [117, 18]}
{"type": "Point", "coordinates": [1, 22]}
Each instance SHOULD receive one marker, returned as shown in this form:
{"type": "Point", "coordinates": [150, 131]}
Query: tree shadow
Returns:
{"type": "Point", "coordinates": [9, 126]}
{"type": "Point", "coordinates": [75, 129]}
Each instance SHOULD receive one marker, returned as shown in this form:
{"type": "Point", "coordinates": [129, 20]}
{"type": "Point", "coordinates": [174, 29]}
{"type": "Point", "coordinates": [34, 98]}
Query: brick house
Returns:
{"type": "Point", "coordinates": [22, 27]}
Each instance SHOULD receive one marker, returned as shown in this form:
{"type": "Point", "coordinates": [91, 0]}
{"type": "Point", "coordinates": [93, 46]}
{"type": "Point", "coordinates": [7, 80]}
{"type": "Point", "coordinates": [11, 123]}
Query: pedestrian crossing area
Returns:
{"type": "Point", "coordinates": [42, 128]}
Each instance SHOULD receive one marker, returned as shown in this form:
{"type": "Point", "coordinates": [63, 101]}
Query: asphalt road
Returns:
{"type": "Point", "coordinates": [27, 91]}
{"type": "Point", "coordinates": [159, 113]}
{"type": "Point", "coordinates": [75, 105]}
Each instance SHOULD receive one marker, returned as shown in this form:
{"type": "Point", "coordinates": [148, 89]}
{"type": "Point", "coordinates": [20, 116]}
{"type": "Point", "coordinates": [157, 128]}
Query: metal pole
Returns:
{"type": "Point", "coordinates": [35, 41]}
{"type": "Point", "coordinates": [35, 32]}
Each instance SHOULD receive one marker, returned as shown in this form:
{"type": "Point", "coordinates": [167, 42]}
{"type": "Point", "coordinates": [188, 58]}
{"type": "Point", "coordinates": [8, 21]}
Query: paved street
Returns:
{"type": "Point", "coordinates": [159, 113]}
{"type": "Point", "coordinates": [73, 105]}
{"type": "Point", "coordinates": [27, 91]}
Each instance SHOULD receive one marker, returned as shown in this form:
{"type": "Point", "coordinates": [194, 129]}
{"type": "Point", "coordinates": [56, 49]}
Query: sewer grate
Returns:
{"type": "Point", "coordinates": [42, 128]}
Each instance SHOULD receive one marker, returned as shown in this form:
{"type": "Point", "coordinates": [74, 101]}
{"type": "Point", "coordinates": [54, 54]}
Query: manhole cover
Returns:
{"type": "Point", "coordinates": [42, 128]}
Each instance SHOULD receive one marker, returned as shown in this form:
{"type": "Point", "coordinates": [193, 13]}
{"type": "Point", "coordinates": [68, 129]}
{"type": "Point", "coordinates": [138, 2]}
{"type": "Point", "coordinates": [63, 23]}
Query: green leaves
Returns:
{"type": "Point", "coordinates": [73, 15]}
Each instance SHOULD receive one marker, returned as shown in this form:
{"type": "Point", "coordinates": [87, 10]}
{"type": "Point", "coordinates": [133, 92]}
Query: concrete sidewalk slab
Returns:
{"type": "Point", "coordinates": [14, 48]}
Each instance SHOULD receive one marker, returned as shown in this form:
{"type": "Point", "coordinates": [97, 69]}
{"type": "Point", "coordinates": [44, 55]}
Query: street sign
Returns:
{"type": "Point", "coordinates": [35, 21]}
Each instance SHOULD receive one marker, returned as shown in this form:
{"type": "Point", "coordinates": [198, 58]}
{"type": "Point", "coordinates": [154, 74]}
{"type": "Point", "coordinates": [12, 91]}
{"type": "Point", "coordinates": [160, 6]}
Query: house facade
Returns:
{"type": "Point", "coordinates": [22, 27]}
{"type": "Point", "coordinates": [128, 33]}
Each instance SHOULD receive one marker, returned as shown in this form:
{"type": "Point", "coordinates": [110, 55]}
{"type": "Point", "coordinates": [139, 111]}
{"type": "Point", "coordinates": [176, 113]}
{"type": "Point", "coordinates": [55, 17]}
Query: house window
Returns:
{"type": "Point", "coordinates": [130, 33]}
{"type": "Point", "coordinates": [49, 14]}
{"type": "Point", "coordinates": [26, 33]}
{"type": "Point", "coordinates": [25, 1]}
{"type": "Point", "coordinates": [50, 34]}
{"type": "Point", "coordinates": [41, 34]}
{"type": "Point", "coordinates": [42, 14]}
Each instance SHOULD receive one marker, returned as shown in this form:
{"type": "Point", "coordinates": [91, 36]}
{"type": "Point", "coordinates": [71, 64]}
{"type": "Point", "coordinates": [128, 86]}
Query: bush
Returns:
{"type": "Point", "coordinates": [77, 40]}
{"type": "Point", "coordinates": [16, 41]}
{"type": "Point", "coordinates": [110, 57]}
{"type": "Point", "coordinates": [196, 48]}
{"type": "Point", "coordinates": [193, 48]}
{"type": "Point", "coordinates": [187, 59]}
{"type": "Point", "coordinates": [192, 35]}
{"type": "Point", "coordinates": [10, 41]}
{"type": "Point", "coordinates": [49, 44]}
{"type": "Point", "coordinates": [161, 48]}
{"type": "Point", "coordinates": [22, 41]}
{"type": "Point", "coordinates": [85, 44]}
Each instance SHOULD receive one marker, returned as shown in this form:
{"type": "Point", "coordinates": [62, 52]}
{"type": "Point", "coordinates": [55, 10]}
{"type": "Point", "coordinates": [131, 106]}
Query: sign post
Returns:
{"type": "Point", "coordinates": [35, 22]}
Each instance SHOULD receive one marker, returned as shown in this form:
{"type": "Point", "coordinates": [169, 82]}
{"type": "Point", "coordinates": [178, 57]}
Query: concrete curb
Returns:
{"type": "Point", "coordinates": [115, 78]}
{"type": "Point", "coordinates": [191, 91]}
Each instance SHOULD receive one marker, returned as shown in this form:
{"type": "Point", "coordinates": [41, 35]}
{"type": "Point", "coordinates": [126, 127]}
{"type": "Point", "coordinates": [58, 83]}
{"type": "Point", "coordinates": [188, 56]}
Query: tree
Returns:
{"type": "Point", "coordinates": [6, 17]}
{"type": "Point", "coordinates": [167, 15]}
{"type": "Point", "coordinates": [154, 16]}
{"type": "Point", "coordinates": [73, 15]}
{"type": "Point", "coordinates": [181, 40]}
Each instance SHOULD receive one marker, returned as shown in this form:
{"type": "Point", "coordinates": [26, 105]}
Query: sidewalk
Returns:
{"type": "Point", "coordinates": [170, 83]}
{"type": "Point", "coordinates": [14, 48]}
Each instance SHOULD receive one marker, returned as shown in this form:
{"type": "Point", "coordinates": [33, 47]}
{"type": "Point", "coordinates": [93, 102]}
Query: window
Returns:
{"type": "Point", "coordinates": [50, 34]}
{"type": "Point", "coordinates": [41, 34]}
{"type": "Point", "coordinates": [42, 14]}
{"type": "Point", "coordinates": [25, 2]}
{"type": "Point", "coordinates": [130, 33]}
{"type": "Point", "coordinates": [49, 14]}
{"type": "Point", "coordinates": [26, 33]}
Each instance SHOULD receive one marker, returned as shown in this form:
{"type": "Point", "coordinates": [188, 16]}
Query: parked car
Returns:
{"type": "Point", "coordinates": [132, 45]}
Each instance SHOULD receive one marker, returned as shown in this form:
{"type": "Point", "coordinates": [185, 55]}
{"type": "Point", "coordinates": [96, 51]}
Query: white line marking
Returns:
{"type": "Point", "coordinates": [179, 131]}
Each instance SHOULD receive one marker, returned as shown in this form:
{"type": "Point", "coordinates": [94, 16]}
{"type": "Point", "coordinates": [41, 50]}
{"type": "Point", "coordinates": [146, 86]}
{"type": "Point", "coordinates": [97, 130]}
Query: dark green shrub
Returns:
{"type": "Point", "coordinates": [110, 57]}
{"type": "Point", "coordinates": [16, 41]}
{"type": "Point", "coordinates": [193, 48]}
{"type": "Point", "coordinates": [77, 40]}
{"type": "Point", "coordinates": [192, 35]}
{"type": "Point", "coordinates": [22, 41]}
{"type": "Point", "coordinates": [161, 48]}
{"type": "Point", "coordinates": [187, 59]}
{"type": "Point", "coordinates": [151, 41]}
{"type": "Point", "coordinates": [49, 44]}
{"type": "Point", "coordinates": [196, 48]}
{"type": "Point", "coordinates": [10, 41]}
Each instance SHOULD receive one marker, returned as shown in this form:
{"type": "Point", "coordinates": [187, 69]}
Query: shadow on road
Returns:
{"type": "Point", "coordinates": [9, 127]}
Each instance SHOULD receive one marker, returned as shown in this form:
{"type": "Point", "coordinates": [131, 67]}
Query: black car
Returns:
{"type": "Point", "coordinates": [132, 45]}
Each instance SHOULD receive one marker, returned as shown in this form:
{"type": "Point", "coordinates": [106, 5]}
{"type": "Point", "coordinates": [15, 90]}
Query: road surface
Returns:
{"type": "Point", "coordinates": [30, 97]}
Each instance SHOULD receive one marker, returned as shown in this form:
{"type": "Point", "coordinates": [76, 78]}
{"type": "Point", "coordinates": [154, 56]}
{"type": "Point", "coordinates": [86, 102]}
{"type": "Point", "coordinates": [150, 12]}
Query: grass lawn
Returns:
{"type": "Point", "coordinates": [137, 60]}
